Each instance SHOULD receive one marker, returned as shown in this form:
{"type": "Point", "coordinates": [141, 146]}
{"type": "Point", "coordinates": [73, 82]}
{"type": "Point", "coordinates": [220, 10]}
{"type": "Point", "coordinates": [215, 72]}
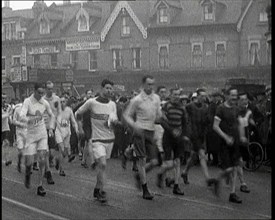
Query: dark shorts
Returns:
{"type": "Point", "coordinates": [173, 147]}
{"type": "Point", "coordinates": [5, 136]}
{"type": "Point", "coordinates": [198, 143]}
{"type": "Point", "coordinates": [144, 145]}
{"type": "Point", "coordinates": [230, 155]}
{"type": "Point", "coordinates": [52, 142]}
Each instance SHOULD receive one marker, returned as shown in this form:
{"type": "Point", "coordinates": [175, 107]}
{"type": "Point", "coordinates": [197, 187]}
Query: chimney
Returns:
{"type": "Point", "coordinates": [66, 2]}
{"type": "Point", "coordinates": [7, 4]}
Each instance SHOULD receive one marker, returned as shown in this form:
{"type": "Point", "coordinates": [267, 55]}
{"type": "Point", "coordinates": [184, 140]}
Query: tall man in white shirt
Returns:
{"type": "Point", "coordinates": [36, 138]}
{"type": "Point", "coordinates": [141, 114]}
{"type": "Point", "coordinates": [103, 116]}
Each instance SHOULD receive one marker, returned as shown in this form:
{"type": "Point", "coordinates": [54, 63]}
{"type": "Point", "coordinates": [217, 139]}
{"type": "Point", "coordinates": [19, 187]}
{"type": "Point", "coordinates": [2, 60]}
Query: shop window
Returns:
{"type": "Point", "coordinates": [92, 60]}
{"type": "Point", "coordinates": [197, 55]}
{"type": "Point", "coordinates": [208, 10]}
{"type": "Point", "coordinates": [136, 58]}
{"type": "Point", "coordinates": [254, 58]}
{"type": "Point", "coordinates": [53, 58]}
{"type": "Point", "coordinates": [125, 26]}
{"type": "Point", "coordinates": [220, 54]}
{"type": "Point", "coordinates": [16, 60]}
{"type": "Point", "coordinates": [74, 58]}
{"type": "Point", "coordinates": [44, 27]}
{"type": "Point", "coordinates": [117, 59]}
{"type": "Point", "coordinates": [36, 61]}
{"type": "Point", "coordinates": [163, 57]}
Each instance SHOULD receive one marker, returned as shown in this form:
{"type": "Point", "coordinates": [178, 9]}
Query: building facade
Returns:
{"type": "Point", "coordinates": [185, 43]}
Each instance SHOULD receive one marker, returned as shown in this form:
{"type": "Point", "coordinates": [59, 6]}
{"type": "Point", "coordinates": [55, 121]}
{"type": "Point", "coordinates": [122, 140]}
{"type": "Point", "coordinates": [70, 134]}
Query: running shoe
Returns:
{"type": "Point", "coordinates": [178, 191]}
{"type": "Point", "coordinates": [185, 178]}
{"type": "Point", "coordinates": [62, 173]}
{"type": "Point", "coordinates": [244, 189]}
{"type": "Point", "coordinates": [216, 183]}
{"type": "Point", "coordinates": [9, 162]}
{"type": "Point", "coordinates": [41, 191]}
{"type": "Point", "coordinates": [234, 198]}
{"type": "Point", "coordinates": [147, 195]}
{"type": "Point", "coordinates": [71, 158]}
{"type": "Point", "coordinates": [49, 178]}
{"type": "Point", "coordinates": [100, 196]}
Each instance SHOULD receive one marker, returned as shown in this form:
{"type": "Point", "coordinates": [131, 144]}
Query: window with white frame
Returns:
{"type": "Point", "coordinates": [73, 58]}
{"type": "Point", "coordinates": [6, 31]}
{"type": "Point", "coordinates": [263, 17]}
{"type": "Point", "coordinates": [117, 58]}
{"type": "Point", "coordinates": [83, 23]}
{"type": "Point", "coordinates": [16, 60]}
{"type": "Point", "coordinates": [164, 56]}
{"type": "Point", "coordinates": [36, 60]}
{"type": "Point", "coordinates": [254, 58]}
{"type": "Point", "coordinates": [197, 55]}
{"type": "Point", "coordinates": [208, 10]}
{"type": "Point", "coordinates": [92, 60]}
{"type": "Point", "coordinates": [163, 14]}
{"type": "Point", "coordinates": [53, 58]}
{"type": "Point", "coordinates": [13, 31]}
{"type": "Point", "coordinates": [44, 27]}
{"type": "Point", "coordinates": [136, 58]}
{"type": "Point", "coordinates": [125, 26]}
{"type": "Point", "coordinates": [220, 48]}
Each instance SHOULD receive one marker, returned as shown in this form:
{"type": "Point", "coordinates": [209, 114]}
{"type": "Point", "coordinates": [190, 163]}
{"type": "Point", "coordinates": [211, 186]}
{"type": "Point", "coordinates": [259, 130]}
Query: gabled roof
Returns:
{"type": "Point", "coordinates": [191, 13]}
{"type": "Point", "coordinates": [115, 13]}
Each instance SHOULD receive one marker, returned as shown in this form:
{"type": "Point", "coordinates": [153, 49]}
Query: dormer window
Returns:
{"type": "Point", "coordinates": [163, 15]}
{"type": "Point", "coordinates": [208, 10]}
{"type": "Point", "coordinates": [44, 27]}
{"type": "Point", "coordinates": [263, 17]}
{"type": "Point", "coordinates": [125, 26]}
{"type": "Point", "coordinates": [83, 23]}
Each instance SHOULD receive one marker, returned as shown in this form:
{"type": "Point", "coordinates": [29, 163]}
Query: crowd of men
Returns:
{"type": "Point", "coordinates": [164, 130]}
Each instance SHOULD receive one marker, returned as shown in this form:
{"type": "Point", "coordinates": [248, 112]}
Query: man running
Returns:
{"type": "Point", "coordinates": [55, 105]}
{"type": "Point", "coordinates": [21, 131]}
{"type": "Point", "coordinates": [103, 116]}
{"type": "Point", "coordinates": [198, 115]}
{"type": "Point", "coordinates": [63, 133]}
{"type": "Point", "coordinates": [141, 114]}
{"type": "Point", "coordinates": [173, 138]}
{"type": "Point", "coordinates": [226, 125]}
{"type": "Point", "coordinates": [32, 112]}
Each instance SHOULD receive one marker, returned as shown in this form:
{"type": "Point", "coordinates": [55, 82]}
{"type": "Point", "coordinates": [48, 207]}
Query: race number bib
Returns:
{"type": "Point", "coordinates": [64, 123]}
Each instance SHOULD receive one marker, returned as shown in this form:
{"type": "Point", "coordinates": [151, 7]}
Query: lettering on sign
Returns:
{"type": "Point", "coordinates": [69, 75]}
{"type": "Point", "coordinates": [16, 74]}
{"type": "Point", "coordinates": [119, 87]}
{"type": "Point", "coordinates": [43, 50]}
{"type": "Point", "coordinates": [33, 75]}
{"type": "Point", "coordinates": [91, 44]}
{"type": "Point", "coordinates": [23, 55]}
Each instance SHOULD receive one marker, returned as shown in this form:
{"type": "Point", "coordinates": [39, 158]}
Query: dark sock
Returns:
{"type": "Point", "coordinates": [28, 170]}
{"type": "Point", "coordinates": [19, 158]}
{"type": "Point", "coordinates": [144, 187]}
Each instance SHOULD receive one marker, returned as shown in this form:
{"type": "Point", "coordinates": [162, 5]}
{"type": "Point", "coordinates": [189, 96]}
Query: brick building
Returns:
{"type": "Point", "coordinates": [188, 43]}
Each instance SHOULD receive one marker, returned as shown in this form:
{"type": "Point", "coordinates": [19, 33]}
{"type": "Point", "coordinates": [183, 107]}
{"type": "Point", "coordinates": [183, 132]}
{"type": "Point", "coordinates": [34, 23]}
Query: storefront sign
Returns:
{"type": "Point", "coordinates": [23, 55]}
{"type": "Point", "coordinates": [83, 44]}
{"type": "Point", "coordinates": [16, 74]}
{"type": "Point", "coordinates": [43, 50]}
{"type": "Point", "coordinates": [119, 87]}
{"type": "Point", "coordinates": [69, 75]}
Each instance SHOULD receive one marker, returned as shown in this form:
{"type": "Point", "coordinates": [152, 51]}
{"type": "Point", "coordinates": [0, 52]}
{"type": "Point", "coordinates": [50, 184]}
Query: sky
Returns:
{"type": "Point", "coordinates": [16, 5]}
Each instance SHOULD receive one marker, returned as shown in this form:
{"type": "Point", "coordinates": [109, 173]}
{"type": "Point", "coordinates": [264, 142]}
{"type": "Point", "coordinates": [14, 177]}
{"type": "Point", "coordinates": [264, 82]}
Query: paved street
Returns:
{"type": "Point", "coordinates": [72, 196]}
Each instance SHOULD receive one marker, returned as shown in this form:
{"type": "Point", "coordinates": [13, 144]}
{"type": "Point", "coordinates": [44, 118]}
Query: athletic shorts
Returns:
{"type": "Point", "coordinates": [32, 147]}
{"type": "Point", "coordinates": [60, 139]}
{"type": "Point", "coordinates": [51, 141]}
{"type": "Point", "coordinates": [230, 155]}
{"type": "Point", "coordinates": [145, 145]}
{"type": "Point", "coordinates": [198, 144]}
{"type": "Point", "coordinates": [5, 136]}
{"type": "Point", "coordinates": [159, 137]}
{"type": "Point", "coordinates": [101, 149]}
{"type": "Point", "coordinates": [20, 140]}
{"type": "Point", "coordinates": [173, 147]}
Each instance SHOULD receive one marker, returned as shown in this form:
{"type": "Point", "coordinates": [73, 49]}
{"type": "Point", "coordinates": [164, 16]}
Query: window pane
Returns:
{"type": "Point", "coordinates": [13, 31]}
{"type": "Point", "coordinates": [93, 60]}
{"type": "Point", "coordinates": [54, 59]}
{"type": "Point", "coordinates": [16, 60]}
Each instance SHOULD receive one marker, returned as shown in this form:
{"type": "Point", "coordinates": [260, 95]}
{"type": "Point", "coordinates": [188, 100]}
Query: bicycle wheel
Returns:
{"type": "Point", "coordinates": [255, 156]}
